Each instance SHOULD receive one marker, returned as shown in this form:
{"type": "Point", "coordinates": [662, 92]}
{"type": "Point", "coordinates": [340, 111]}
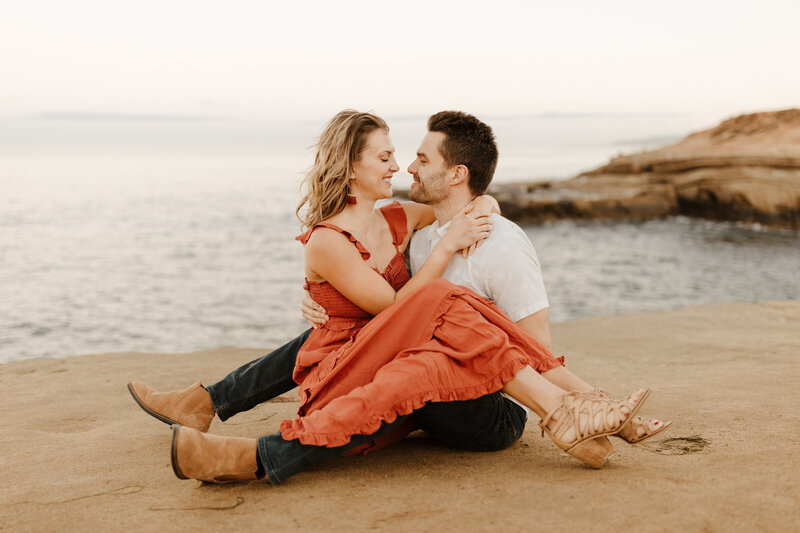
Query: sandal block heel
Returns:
{"type": "Point", "coordinates": [593, 452]}
{"type": "Point", "coordinates": [589, 444]}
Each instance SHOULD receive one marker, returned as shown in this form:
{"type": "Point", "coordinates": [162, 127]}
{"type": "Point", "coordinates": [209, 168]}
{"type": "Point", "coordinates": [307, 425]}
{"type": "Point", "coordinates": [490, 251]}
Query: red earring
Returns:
{"type": "Point", "coordinates": [351, 200]}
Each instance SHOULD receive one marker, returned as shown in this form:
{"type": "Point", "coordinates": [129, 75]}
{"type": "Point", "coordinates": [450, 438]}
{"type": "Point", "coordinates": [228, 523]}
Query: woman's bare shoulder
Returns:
{"type": "Point", "coordinates": [323, 237]}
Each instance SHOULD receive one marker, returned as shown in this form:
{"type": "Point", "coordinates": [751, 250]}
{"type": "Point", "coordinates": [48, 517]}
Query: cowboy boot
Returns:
{"type": "Point", "coordinates": [190, 407]}
{"type": "Point", "coordinates": [213, 458]}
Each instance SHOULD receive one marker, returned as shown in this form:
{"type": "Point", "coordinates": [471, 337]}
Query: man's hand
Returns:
{"type": "Point", "coordinates": [313, 312]}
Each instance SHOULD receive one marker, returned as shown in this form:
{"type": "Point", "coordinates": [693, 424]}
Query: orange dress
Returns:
{"type": "Point", "coordinates": [440, 343]}
{"type": "Point", "coordinates": [345, 319]}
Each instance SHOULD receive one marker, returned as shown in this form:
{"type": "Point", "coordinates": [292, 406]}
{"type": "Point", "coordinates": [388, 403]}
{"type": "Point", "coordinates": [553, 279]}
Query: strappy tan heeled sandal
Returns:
{"type": "Point", "coordinates": [638, 429]}
{"type": "Point", "coordinates": [577, 407]}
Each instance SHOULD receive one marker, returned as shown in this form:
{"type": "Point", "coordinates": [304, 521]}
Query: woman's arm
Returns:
{"type": "Point", "coordinates": [330, 256]}
{"type": "Point", "coordinates": [418, 215]}
{"type": "Point", "coordinates": [483, 205]}
{"type": "Point", "coordinates": [421, 215]}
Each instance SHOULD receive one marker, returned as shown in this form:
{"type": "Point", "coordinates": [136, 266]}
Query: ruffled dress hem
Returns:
{"type": "Point", "coordinates": [294, 429]}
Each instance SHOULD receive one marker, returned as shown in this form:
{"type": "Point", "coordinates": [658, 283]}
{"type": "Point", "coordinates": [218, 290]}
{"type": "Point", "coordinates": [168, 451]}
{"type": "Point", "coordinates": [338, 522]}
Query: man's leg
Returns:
{"type": "Point", "coordinates": [281, 459]}
{"type": "Point", "coordinates": [214, 458]}
{"type": "Point", "coordinates": [488, 423]}
{"type": "Point", "coordinates": [257, 381]}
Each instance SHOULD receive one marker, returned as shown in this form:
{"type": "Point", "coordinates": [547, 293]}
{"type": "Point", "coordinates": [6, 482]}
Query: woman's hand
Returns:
{"type": "Point", "coordinates": [465, 231]}
{"type": "Point", "coordinates": [312, 311]}
{"type": "Point", "coordinates": [482, 205]}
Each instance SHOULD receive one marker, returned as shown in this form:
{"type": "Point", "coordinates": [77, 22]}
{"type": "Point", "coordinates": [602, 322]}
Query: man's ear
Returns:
{"type": "Point", "coordinates": [460, 175]}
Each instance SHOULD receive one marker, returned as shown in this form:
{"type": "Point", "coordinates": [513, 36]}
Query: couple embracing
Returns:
{"type": "Point", "coordinates": [459, 349]}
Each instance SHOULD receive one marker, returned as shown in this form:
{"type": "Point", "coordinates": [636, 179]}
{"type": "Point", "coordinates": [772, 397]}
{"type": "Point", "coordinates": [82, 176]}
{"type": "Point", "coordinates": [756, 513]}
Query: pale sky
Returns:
{"type": "Point", "coordinates": [263, 59]}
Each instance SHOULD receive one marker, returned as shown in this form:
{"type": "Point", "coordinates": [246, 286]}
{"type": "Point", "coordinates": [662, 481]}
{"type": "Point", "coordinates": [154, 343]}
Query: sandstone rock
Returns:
{"type": "Point", "coordinates": [745, 169]}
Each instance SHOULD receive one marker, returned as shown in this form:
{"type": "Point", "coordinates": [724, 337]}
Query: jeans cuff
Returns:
{"type": "Point", "coordinates": [266, 461]}
{"type": "Point", "coordinates": [215, 403]}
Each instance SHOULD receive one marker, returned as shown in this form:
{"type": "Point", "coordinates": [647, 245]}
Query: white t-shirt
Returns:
{"type": "Point", "coordinates": [505, 268]}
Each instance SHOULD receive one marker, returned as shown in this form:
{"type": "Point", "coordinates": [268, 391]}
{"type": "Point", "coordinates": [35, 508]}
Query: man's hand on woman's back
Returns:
{"type": "Point", "coordinates": [312, 312]}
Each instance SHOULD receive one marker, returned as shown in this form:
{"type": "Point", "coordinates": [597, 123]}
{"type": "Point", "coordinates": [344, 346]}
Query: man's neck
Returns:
{"type": "Point", "coordinates": [451, 206]}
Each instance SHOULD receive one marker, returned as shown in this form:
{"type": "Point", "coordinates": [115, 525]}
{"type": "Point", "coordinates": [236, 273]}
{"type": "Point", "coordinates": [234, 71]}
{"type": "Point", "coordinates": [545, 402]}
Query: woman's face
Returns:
{"type": "Point", "coordinates": [372, 174]}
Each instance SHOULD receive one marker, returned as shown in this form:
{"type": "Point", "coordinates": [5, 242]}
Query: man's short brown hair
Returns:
{"type": "Point", "coordinates": [468, 142]}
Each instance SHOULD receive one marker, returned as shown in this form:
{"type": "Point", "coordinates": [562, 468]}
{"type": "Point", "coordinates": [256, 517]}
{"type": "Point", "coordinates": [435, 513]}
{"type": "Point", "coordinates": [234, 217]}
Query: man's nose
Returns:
{"type": "Point", "coordinates": [412, 168]}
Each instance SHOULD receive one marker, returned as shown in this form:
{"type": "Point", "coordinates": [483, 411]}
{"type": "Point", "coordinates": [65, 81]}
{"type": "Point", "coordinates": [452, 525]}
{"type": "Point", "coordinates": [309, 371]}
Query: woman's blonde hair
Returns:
{"type": "Point", "coordinates": [325, 187]}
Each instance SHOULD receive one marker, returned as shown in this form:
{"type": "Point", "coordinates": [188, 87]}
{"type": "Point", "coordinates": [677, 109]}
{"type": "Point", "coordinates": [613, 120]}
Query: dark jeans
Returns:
{"type": "Point", "coordinates": [257, 381]}
{"type": "Point", "coordinates": [488, 423]}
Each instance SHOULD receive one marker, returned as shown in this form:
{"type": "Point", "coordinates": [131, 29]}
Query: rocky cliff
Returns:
{"type": "Point", "coordinates": [745, 169]}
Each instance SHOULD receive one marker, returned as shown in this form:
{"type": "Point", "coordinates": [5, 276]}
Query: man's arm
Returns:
{"type": "Point", "coordinates": [538, 326]}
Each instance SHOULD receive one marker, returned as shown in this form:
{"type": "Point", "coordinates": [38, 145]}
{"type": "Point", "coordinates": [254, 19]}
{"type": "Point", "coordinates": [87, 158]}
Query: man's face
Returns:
{"type": "Point", "coordinates": [429, 171]}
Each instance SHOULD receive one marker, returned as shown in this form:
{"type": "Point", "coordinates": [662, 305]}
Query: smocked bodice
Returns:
{"type": "Point", "coordinates": [336, 305]}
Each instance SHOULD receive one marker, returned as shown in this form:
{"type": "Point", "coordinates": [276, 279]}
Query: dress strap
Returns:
{"type": "Point", "coordinates": [395, 216]}
{"type": "Point", "coordinates": [303, 238]}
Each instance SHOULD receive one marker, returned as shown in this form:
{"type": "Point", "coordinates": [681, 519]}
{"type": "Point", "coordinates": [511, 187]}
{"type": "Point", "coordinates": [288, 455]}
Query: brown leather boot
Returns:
{"type": "Point", "coordinates": [190, 407]}
{"type": "Point", "coordinates": [213, 458]}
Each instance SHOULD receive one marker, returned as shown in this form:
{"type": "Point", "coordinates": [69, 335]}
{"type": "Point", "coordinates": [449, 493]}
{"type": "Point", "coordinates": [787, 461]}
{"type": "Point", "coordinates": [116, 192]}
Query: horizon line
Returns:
{"type": "Point", "coordinates": [102, 115]}
{"type": "Point", "coordinates": [84, 115]}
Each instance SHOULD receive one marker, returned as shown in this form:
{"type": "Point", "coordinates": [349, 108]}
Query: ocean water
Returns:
{"type": "Point", "coordinates": [173, 235]}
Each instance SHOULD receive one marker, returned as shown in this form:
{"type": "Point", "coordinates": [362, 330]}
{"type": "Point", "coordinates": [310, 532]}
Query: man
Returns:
{"type": "Point", "coordinates": [455, 162]}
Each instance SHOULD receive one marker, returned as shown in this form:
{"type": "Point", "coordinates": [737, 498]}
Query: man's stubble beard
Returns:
{"type": "Point", "coordinates": [423, 195]}
{"type": "Point", "coordinates": [416, 195]}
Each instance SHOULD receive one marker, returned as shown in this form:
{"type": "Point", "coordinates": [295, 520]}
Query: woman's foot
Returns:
{"type": "Point", "coordinates": [638, 429]}
{"type": "Point", "coordinates": [583, 416]}
{"type": "Point", "coordinates": [191, 407]}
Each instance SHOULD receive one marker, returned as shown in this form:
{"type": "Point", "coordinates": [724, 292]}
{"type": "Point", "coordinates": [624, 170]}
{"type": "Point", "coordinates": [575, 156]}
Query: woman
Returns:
{"type": "Point", "coordinates": [349, 383]}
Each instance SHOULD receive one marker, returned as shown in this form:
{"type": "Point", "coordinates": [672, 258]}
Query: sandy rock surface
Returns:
{"type": "Point", "coordinates": [77, 454]}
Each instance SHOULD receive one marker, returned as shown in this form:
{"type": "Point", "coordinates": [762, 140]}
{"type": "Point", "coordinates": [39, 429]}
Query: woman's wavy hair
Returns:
{"type": "Point", "coordinates": [325, 187]}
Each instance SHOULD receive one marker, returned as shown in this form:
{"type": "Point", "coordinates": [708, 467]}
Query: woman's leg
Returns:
{"type": "Point", "coordinates": [639, 429]}
{"type": "Point", "coordinates": [534, 391]}
{"type": "Point", "coordinates": [597, 417]}
{"type": "Point", "coordinates": [566, 380]}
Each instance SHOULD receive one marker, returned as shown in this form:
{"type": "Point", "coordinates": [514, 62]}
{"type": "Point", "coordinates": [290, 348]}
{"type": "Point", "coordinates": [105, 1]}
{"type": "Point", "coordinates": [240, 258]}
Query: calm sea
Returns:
{"type": "Point", "coordinates": [172, 235]}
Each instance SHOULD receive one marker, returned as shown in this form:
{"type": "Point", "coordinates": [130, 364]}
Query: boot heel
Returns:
{"type": "Point", "coordinates": [593, 452]}
{"type": "Point", "coordinates": [175, 468]}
